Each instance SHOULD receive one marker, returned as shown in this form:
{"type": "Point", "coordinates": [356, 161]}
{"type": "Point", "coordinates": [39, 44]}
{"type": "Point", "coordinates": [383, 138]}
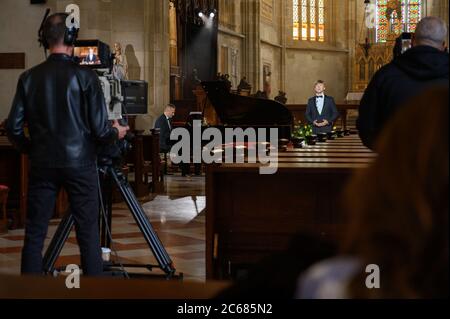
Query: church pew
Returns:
{"type": "Point", "coordinates": [145, 159]}
{"type": "Point", "coordinates": [250, 216]}
{"type": "Point", "coordinates": [337, 146]}
{"type": "Point", "coordinates": [12, 287]}
{"type": "Point", "coordinates": [328, 150]}
{"type": "Point", "coordinates": [14, 174]}
{"type": "Point", "coordinates": [327, 154]}
{"type": "Point", "coordinates": [313, 160]}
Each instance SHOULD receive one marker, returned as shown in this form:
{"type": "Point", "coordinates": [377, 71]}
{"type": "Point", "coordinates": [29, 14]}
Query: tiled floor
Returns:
{"type": "Point", "coordinates": [177, 216]}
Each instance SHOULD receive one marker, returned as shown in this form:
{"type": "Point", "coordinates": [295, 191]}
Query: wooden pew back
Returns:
{"type": "Point", "coordinates": [250, 216]}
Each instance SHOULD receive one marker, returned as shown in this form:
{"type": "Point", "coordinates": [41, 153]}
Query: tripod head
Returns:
{"type": "Point", "coordinates": [115, 154]}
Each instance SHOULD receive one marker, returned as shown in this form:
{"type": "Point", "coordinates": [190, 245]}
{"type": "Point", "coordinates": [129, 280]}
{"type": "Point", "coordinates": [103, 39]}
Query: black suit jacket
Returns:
{"type": "Point", "coordinates": [88, 59]}
{"type": "Point", "coordinates": [164, 130]}
{"type": "Point", "coordinates": [329, 113]}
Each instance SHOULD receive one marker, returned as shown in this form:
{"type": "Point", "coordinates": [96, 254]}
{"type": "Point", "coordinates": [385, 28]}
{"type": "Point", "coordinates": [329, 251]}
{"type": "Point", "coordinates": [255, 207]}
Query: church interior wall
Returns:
{"type": "Point", "coordinates": [142, 29]}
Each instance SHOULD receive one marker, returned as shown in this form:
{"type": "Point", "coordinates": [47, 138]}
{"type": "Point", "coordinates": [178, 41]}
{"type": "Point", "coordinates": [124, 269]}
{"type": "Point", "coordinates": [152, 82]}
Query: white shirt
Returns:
{"type": "Point", "coordinates": [320, 101]}
{"type": "Point", "coordinates": [168, 123]}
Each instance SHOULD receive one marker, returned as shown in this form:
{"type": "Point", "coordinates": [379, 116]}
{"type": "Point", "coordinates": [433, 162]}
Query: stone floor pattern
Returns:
{"type": "Point", "coordinates": [177, 216]}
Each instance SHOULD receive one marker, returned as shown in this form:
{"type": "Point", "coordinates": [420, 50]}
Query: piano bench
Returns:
{"type": "Point", "coordinates": [4, 192]}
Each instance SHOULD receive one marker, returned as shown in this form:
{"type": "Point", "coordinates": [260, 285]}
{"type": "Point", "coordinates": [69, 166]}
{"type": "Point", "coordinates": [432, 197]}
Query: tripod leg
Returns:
{"type": "Point", "coordinates": [57, 243]}
{"type": "Point", "coordinates": [143, 223]}
{"type": "Point", "coordinates": [106, 223]}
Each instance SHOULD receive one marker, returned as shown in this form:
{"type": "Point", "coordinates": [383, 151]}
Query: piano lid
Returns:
{"type": "Point", "coordinates": [234, 109]}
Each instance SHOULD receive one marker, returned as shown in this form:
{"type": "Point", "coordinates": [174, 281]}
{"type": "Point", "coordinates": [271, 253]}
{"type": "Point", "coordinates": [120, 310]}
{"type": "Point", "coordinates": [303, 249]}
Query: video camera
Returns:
{"type": "Point", "coordinates": [122, 97]}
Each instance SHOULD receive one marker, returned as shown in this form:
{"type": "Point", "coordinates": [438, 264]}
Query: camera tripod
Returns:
{"type": "Point", "coordinates": [110, 175]}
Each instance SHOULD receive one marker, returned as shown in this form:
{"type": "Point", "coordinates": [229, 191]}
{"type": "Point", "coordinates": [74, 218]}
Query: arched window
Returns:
{"type": "Point", "coordinates": [397, 16]}
{"type": "Point", "coordinates": [309, 20]}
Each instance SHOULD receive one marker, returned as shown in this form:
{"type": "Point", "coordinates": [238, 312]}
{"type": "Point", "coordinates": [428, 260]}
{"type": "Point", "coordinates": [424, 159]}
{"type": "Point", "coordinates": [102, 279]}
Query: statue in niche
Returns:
{"type": "Point", "coordinates": [120, 67]}
{"type": "Point", "coordinates": [281, 97]}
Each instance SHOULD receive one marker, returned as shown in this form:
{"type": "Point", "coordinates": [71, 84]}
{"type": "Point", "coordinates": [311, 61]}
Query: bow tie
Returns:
{"type": "Point", "coordinates": [319, 97]}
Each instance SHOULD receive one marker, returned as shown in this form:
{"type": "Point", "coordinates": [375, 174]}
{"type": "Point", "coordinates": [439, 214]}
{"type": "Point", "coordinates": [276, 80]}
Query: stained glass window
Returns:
{"type": "Point", "coordinates": [397, 16]}
{"type": "Point", "coordinates": [309, 20]}
{"type": "Point", "coordinates": [312, 20]}
{"type": "Point", "coordinates": [304, 19]}
{"type": "Point", "coordinates": [321, 20]}
{"type": "Point", "coordinates": [296, 20]}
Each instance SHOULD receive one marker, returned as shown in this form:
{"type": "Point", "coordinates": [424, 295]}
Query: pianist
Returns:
{"type": "Point", "coordinates": [321, 111]}
{"type": "Point", "coordinates": [164, 125]}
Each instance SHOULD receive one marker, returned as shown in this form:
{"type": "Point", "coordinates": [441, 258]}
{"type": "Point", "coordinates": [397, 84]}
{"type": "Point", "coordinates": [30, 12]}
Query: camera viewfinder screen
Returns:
{"type": "Point", "coordinates": [88, 55]}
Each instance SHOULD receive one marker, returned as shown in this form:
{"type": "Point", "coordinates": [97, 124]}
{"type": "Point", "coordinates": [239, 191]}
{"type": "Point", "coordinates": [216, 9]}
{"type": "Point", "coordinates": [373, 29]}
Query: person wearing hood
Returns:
{"type": "Point", "coordinates": [395, 84]}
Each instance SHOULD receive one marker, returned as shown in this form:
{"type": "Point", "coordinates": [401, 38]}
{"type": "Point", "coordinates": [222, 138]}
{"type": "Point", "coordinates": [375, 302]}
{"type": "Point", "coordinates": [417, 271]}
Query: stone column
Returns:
{"type": "Point", "coordinates": [283, 35]}
{"type": "Point", "coordinates": [157, 60]}
{"type": "Point", "coordinates": [352, 40]}
{"type": "Point", "coordinates": [252, 43]}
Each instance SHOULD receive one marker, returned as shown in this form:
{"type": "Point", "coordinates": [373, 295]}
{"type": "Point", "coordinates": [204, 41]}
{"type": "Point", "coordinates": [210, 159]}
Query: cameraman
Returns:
{"type": "Point", "coordinates": [64, 107]}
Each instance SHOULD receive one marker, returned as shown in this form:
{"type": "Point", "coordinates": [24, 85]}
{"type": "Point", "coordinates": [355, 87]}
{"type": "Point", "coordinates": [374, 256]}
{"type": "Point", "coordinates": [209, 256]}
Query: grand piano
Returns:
{"type": "Point", "coordinates": [243, 111]}
{"type": "Point", "coordinates": [233, 110]}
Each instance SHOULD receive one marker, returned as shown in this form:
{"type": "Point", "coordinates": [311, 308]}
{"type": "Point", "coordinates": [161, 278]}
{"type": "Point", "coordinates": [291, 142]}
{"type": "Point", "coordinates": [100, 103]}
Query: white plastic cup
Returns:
{"type": "Point", "coordinates": [106, 254]}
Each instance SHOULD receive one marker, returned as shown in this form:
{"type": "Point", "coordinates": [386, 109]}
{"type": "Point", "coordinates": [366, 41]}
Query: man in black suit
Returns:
{"type": "Point", "coordinates": [91, 58]}
{"type": "Point", "coordinates": [164, 124]}
{"type": "Point", "coordinates": [321, 111]}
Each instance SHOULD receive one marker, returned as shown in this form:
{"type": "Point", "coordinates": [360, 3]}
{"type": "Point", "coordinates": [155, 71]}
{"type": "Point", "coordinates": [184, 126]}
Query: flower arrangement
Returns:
{"type": "Point", "coordinates": [301, 131]}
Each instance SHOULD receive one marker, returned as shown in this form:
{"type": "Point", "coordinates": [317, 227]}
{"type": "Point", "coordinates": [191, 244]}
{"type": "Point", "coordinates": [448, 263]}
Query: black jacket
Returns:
{"type": "Point", "coordinates": [64, 107]}
{"type": "Point", "coordinates": [396, 83]}
{"type": "Point", "coordinates": [164, 133]}
{"type": "Point", "coordinates": [329, 113]}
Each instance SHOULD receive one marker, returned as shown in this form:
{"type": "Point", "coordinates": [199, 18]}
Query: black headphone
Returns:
{"type": "Point", "coordinates": [70, 35]}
